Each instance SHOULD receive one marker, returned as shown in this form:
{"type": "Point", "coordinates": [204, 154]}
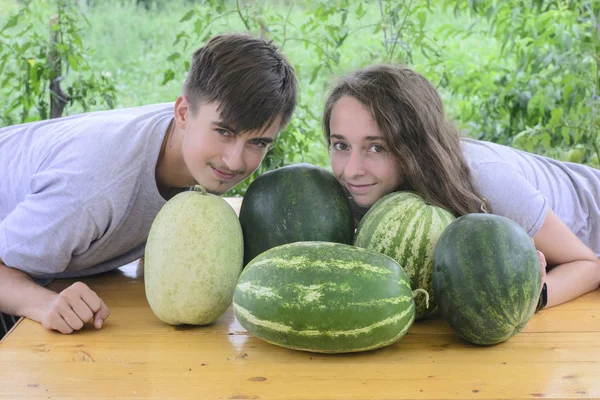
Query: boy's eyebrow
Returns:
{"type": "Point", "coordinates": [266, 140]}
{"type": "Point", "coordinates": [226, 126]}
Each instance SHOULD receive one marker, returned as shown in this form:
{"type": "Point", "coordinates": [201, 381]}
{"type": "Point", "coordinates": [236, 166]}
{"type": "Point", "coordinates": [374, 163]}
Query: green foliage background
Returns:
{"type": "Point", "coordinates": [521, 73]}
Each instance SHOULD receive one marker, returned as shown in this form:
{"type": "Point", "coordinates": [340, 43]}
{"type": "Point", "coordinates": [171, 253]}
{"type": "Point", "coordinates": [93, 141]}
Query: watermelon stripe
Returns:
{"type": "Point", "coordinates": [404, 227]}
{"type": "Point", "coordinates": [302, 263]}
{"type": "Point", "coordinates": [278, 327]}
{"type": "Point", "coordinates": [258, 290]}
{"type": "Point", "coordinates": [324, 297]}
{"type": "Point", "coordinates": [488, 270]}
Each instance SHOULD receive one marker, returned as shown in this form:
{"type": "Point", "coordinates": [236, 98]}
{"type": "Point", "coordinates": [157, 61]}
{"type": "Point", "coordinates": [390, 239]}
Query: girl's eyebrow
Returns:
{"type": "Point", "coordinates": [369, 138]}
{"type": "Point", "coordinates": [365, 139]}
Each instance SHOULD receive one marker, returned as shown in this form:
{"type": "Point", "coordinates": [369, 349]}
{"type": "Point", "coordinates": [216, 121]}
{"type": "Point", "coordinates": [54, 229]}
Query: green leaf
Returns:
{"type": "Point", "coordinates": [73, 62]}
{"type": "Point", "coordinates": [566, 135]}
{"type": "Point", "coordinates": [174, 56]}
{"type": "Point", "coordinates": [556, 116]}
{"type": "Point", "coordinates": [198, 26]}
{"type": "Point", "coordinates": [360, 12]}
{"type": "Point", "coordinates": [169, 75]}
{"type": "Point", "coordinates": [315, 73]}
{"type": "Point", "coordinates": [12, 22]}
{"type": "Point", "coordinates": [188, 16]}
{"type": "Point", "coordinates": [422, 18]}
{"type": "Point", "coordinates": [546, 140]}
{"type": "Point", "coordinates": [180, 36]}
{"type": "Point", "coordinates": [77, 40]}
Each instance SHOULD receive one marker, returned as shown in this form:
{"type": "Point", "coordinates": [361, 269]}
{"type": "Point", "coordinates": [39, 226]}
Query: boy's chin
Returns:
{"type": "Point", "coordinates": [220, 190]}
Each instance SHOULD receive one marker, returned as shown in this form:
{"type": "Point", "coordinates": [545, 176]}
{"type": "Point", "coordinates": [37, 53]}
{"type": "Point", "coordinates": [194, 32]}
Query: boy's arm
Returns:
{"type": "Point", "coordinates": [66, 311]}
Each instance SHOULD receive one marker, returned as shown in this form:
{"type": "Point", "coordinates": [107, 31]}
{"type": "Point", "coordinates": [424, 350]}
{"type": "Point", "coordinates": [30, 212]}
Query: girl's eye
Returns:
{"type": "Point", "coordinates": [376, 148]}
{"type": "Point", "coordinates": [340, 146]}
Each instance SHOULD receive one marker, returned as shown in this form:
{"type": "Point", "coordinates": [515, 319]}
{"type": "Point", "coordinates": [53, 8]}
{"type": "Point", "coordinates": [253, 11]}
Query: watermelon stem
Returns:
{"type": "Point", "coordinates": [200, 189]}
{"type": "Point", "coordinates": [417, 291]}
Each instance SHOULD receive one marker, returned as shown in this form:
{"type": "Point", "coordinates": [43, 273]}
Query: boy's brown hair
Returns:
{"type": "Point", "coordinates": [251, 80]}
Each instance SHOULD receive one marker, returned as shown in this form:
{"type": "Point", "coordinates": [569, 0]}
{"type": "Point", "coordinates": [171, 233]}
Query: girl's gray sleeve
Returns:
{"type": "Point", "coordinates": [510, 194]}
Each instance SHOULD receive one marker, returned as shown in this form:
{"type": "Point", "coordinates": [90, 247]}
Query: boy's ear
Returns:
{"type": "Point", "coordinates": [182, 111]}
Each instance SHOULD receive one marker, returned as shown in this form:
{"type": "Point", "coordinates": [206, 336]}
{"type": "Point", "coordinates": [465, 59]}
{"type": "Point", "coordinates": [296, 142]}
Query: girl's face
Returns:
{"type": "Point", "coordinates": [360, 158]}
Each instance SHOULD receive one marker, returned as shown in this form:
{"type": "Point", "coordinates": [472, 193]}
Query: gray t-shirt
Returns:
{"type": "Point", "coordinates": [78, 194]}
{"type": "Point", "coordinates": [522, 186]}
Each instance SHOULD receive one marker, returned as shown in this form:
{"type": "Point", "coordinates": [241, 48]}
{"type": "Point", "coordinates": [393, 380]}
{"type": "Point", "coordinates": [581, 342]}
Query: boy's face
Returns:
{"type": "Point", "coordinates": [216, 156]}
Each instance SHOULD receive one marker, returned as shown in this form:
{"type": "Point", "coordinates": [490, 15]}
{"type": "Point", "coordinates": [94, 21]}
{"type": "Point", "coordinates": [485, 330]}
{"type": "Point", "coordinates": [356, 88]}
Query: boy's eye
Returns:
{"type": "Point", "coordinates": [222, 132]}
{"type": "Point", "coordinates": [340, 146]}
{"type": "Point", "coordinates": [259, 143]}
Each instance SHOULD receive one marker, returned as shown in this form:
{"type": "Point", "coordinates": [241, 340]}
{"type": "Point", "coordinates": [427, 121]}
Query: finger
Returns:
{"type": "Point", "coordinates": [59, 324]}
{"type": "Point", "coordinates": [67, 313]}
{"type": "Point", "coordinates": [542, 258]}
{"type": "Point", "coordinates": [101, 315]}
{"type": "Point", "coordinates": [81, 309]}
{"type": "Point", "coordinates": [54, 322]}
{"type": "Point", "coordinates": [101, 311]}
{"type": "Point", "coordinates": [91, 299]}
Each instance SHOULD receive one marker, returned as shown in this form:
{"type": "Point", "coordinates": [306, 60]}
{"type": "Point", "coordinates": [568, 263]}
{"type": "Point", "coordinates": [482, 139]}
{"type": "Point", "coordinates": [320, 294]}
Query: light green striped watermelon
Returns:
{"type": "Point", "coordinates": [324, 297]}
{"type": "Point", "coordinates": [404, 227]}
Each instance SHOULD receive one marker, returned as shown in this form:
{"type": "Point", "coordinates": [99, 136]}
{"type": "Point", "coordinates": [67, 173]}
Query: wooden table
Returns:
{"type": "Point", "coordinates": [135, 356]}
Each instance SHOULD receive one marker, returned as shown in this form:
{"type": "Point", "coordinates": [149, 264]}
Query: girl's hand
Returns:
{"type": "Point", "coordinates": [543, 267]}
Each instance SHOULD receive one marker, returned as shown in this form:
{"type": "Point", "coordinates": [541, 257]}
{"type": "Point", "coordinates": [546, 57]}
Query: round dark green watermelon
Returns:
{"type": "Point", "coordinates": [299, 202]}
{"type": "Point", "coordinates": [487, 277]}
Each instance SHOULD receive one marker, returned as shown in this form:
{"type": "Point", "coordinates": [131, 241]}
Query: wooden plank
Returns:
{"type": "Point", "coordinates": [157, 379]}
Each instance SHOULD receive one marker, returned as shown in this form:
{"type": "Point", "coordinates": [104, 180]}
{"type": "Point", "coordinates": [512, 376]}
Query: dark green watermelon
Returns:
{"type": "Point", "coordinates": [299, 202]}
{"type": "Point", "coordinates": [486, 277]}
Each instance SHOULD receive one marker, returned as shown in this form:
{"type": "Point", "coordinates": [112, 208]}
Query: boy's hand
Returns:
{"type": "Point", "coordinates": [72, 308]}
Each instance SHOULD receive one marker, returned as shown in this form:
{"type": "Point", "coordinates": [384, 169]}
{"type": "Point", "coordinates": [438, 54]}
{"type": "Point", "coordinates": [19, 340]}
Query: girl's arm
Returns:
{"type": "Point", "coordinates": [573, 268]}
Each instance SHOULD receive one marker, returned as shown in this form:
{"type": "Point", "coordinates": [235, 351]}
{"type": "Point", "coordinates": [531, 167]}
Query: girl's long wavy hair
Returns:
{"type": "Point", "coordinates": [410, 115]}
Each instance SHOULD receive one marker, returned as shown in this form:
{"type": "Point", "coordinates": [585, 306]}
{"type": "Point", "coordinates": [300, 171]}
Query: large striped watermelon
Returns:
{"type": "Point", "coordinates": [487, 277]}
{"type": "Point", "coordinates": [324, 297]}
{"type": "Point", "coordinates": [299, 202]}
{"type": "Point", "coordinates": [403, 226]}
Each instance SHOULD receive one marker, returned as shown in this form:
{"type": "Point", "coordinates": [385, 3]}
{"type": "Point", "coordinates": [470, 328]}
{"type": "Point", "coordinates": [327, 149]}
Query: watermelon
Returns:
{"type": "Point", "coordinates": [487, 277]}
{"type": "Point", "coordinates": [403, 226]}
{"type": "Point", "coordinates": [300, 202]}
{"type": "Point", "coordinates": [324, 297]}
{"type": "Point", "coordinates": [193, 258]}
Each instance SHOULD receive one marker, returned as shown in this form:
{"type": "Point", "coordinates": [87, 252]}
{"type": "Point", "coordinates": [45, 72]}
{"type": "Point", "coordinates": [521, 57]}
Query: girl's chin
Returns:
{"type": "Point", "coordinates": [364, 205]}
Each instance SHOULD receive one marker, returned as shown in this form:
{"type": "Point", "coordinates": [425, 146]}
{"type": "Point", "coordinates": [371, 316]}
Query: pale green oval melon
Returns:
{"type": "Point", "coordinates": [194, 256]}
